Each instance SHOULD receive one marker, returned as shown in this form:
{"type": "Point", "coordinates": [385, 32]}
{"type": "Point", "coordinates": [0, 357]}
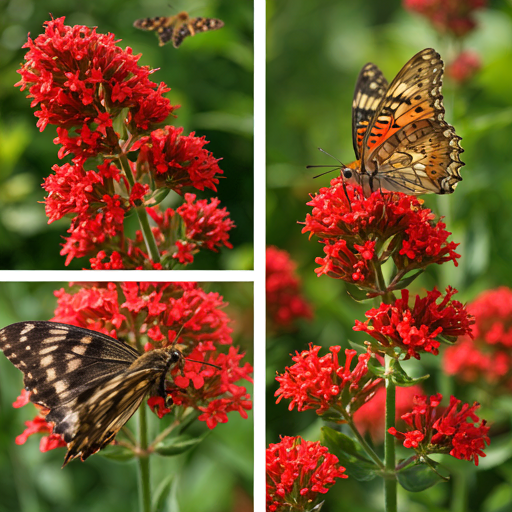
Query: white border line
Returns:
{"type": "Point", "coordinates": [203, 276]}
{"type": "Point", "coordinates": [259, 255]}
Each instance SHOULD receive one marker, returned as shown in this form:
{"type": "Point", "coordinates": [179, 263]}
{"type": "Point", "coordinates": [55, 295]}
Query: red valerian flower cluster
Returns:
{"type": "Point", "coordinates": [159, 313]}
{"type": "Point", "coordinates": [297, 472]}
{"type": "Point", "coordinates": [355, 230]}
{"type": "Point", "coordinates": [179, 235]}
{"type": "Point", "coordinates": [284, 301]}
{"type": "Point", "coordinates": [444, 431]}
{"type": "Point", "coordinates": [415, 330]}
{"type": "Point", "coordinates": [464, 66]}
{"type": "Point", "coordinates": [369, 418]}
{"type": "Point", "coordinates": [105, 108]}
{"type": "Point", "coordinates": [318, 383]}
{"type": "Point", "coordinates": [485, 357]}
{"type": "Point", "coordinates": [453, 16]}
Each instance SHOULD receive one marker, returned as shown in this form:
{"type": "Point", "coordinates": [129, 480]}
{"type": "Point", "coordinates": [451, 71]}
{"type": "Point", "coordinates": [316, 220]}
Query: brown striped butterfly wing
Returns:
{"type": "Point", "coordinates": [408, 146]}
{"type": "Point", "coordinates": [91, 383]}
{"type": "Point", "coordinates": [178, 27]}
{"type": "Point", "coordinates": [371, 86]}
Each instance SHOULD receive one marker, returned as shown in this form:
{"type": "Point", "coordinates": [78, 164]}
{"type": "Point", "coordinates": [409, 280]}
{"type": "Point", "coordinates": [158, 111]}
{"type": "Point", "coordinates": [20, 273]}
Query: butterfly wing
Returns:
{"type": "Point", "coordinates": [63, 366]}
{"type": "Point", "coordinates": [104, 413]}
{"type": "Point", "coordinates": [371, 87]}
{"type": "Point", "coordinates": [163, 25]}
{"type": "Point", "coordinates": [408, 147]}
{"type": "Point", "coordinates": [60, 362]}
{"type": "Point", "coordinates": [192, 27]}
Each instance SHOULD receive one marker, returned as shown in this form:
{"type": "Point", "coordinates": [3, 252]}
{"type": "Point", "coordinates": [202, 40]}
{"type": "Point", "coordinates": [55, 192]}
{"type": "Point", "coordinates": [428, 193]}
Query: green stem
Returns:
{"type": "Point", "coordinates": [142, 215]}
{"type": "Point", "coordinates": [390, 485]}
{"type": "Point", "coordinates": [362, 441]}
{"type": "Point", "coordinates": [143, 460]}
{"type": "Point", "coordinates": [387, 297]}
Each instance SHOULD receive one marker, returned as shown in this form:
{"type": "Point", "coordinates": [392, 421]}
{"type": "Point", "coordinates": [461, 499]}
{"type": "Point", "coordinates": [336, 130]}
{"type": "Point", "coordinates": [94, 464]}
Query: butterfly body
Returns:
{"type": "Point", "coordinates": [178, 27]}
{"type": "Point", "coordinates": [91, 383]}
{"type": "Point", "coordinates": [401, 140]}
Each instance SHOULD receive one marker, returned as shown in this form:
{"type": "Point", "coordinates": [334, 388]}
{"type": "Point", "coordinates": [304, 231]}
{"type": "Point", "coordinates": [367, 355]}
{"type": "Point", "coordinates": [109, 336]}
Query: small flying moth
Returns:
{"type": "Point", "coordinates": [178, 27]}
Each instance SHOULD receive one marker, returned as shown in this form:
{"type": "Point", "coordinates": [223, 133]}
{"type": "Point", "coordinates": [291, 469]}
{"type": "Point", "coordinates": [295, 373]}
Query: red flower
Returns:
{"type": "Point", "coordinates": [206, 224]}
{"type": "Point", "coordinates": [416, 330]}
{"type": "Point", "coordinates": [22, 400]}
{"type": "Point", "coordinates": [321, 383]}
{"type": "Point", "coordinates": [201, 223]}
{"type": "Point", "coordinates": [358, 230]}
{"type": "Point", "coordinates": [284, 301]}
{"type": "Point", "coordinates": [351, 265]}
{"type": "Point", "coordinates": [464, 67]}
{"type": "Point", "coordinates": [447, 431]}
{"type": "Point", "coordinates": [176, 161]}
{"type": "Point", "coordinates": [369, 418]}
{"type": "Point", "coordinates": [485, 357]}
{"type": "Point", "coordinates": [159, 312]}
{"type": "Point", "coordinates": [297, 472]}
{"type": "Point", "coordinates": [83, 82]}
{"type": "Point", "coordinates": [77, 76]}
{"type": "Point", "coordinates": [455, 16]}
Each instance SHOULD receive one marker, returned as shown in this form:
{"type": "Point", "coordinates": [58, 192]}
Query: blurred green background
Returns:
{"type": "Point", "coordinates": [216, 476]}
{"type": "Point", "coordinates": [315, 51]}
{"type": "Point", "coordinates": [211, 77]}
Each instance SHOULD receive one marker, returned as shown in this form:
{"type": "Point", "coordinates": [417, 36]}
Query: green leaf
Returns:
{"type": "Point", "coordinates": [117, 452]}
{"type": "Point", "coordinates": [376, 368]}
{"type": "Point", "coordinates": [318, 507]}
{"type": "Point", "coordinates": [418, 475]}
{"type": "Point", "coordinates": [178, 445]}
{"type": "Point", "coordinates": [406, 281]}
{"type": "Point", "coordinates": [356, 293]}
{"type": "Point", "coordinates": [161, 494]}
{"type": "Point", "coordinates": [159, 196]}
{"type": "Point", "coordinates": [350, 454]}
{"type": "Point", "coordinates": [400, 377]}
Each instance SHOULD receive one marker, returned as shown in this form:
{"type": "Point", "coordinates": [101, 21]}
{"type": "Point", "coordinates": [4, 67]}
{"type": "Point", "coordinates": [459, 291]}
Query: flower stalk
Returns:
{"type": "Point", "coordinates": [390, 482]}
{"type": "Point", "coordinates": [143, 463]}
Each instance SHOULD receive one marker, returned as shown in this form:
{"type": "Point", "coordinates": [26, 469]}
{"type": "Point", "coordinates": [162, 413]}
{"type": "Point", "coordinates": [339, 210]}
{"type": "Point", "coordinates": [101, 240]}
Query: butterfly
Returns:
{"type": "Point", "coordinates": [401, 140]}
{"type": "Point", "coordinates": [178, 27]}
{"type": "Point", "coordinates": [91, 383]}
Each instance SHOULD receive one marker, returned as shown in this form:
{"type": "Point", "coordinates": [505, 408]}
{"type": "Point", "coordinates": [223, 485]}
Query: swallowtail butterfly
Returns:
{"type": "Point", "coordinates": [91, 383]}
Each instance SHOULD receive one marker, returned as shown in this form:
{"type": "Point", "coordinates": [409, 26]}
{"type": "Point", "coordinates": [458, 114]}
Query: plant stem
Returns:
{"type": "Point", "coordinates": [390, 487]}
{"type": "Point", "coordinates": [143, 460]}
{"type": "Point", "coordinates": [142, 215]}
{"type": "Point", "coordinates": [362, 441]}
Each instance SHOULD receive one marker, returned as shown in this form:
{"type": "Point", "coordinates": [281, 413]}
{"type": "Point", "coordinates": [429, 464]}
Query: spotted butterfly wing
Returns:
{"type": "Point", "coordinates": [178, 27]}
{"type": "Point", "coordinates": [371, 87]}
{"type": "Point", "coordinates": [407, 146]}
{"type": "Point", "coordinates": [91, 383]}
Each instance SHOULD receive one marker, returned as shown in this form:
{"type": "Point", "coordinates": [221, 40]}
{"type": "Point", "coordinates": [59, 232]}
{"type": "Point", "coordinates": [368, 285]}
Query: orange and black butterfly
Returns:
{"type": "Point", "coordinates": [178, 27]}
{"type": "Point", "coordinates": [401, 140]}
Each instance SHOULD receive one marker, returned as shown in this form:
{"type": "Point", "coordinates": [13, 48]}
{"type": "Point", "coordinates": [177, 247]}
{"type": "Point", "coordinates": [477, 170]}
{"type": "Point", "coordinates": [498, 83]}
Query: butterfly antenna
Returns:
{"type": "Point", "coordinates": [334, 168]}
{"type": "Point", "coordinates": [178, 334]}
{"type": "Point", "coordinates": [203, 362]}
